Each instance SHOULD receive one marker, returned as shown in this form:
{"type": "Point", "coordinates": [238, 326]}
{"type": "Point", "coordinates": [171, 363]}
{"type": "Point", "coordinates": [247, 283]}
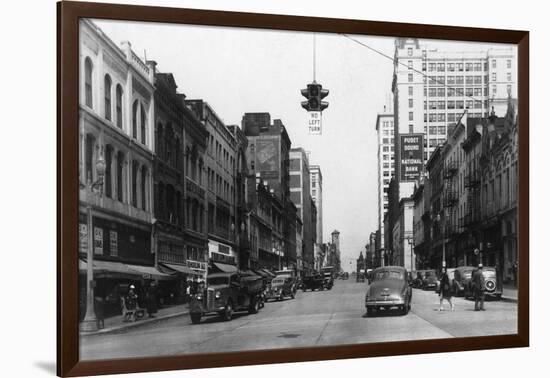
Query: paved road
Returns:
{"type": "Point", "coordinates": [312, 319]}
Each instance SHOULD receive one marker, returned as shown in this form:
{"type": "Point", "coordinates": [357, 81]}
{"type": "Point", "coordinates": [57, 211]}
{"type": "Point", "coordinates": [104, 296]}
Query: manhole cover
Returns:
{"type": "Point", "coordinates": [289, 335]}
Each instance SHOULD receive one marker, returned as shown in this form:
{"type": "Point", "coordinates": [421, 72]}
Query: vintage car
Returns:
{"type": "Point", "coordinates": [417, 277]}
{"type": "Point", "coordinates": [328, 275]}
{"type": "Point", "coordinates": [461, 280]}
{"type": "Point", "coordinates": [281, 287]}
{"type": "Point", "coordinates": [226, 293]}
{"type": "Point", "coordinates": [313, 282]}
{"type": "Point", "coordinates": [493, 286]}
{"type": "Point", "coordinates": [429, 282]}
{"type": "Point", "coordinates": [389, 289]}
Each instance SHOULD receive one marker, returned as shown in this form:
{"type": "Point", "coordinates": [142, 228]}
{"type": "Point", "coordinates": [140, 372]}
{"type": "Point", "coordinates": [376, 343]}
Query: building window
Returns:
{"type": "Point", "coordinates": [441, 67]}
{"type": "Point", "coordinates": [494, 76]}
{"type": "Point", "coordinates": [135, 119]}
{"type": "Point", "coordinates": [409, 51]}
{"type": "Point", "coordinates": [494, 63]}
{"type": "Point", "coordinates": [509, 76]}
{"type": "Point", "coordinates": [135, 169]}
{"type": "Point", "coordinates": [410, 78]}
{"type": "Point", "coordinates": [451, 67]}
{"type": "Point", "coordinates": [119, 176]}
{"type": "Point", "coordinates": [410, 102]}
{"type": "Point", "coordinates": [88, 92]}
{"type": "Point", "coordinates": [411, 117]}
{"type": "Point", "coordinates": [411, 129]}
{"type": "Point", "coordinates": [410, 91]}
{"type": "Point", "coordinates": [107, 89]}
{"type": "Point", "coordinates": [119, 106]}
{"type": "Point", "coordinates": [144, 189]}
{"type": "Point", "coordinates": [509, 63]}
{"type": "Point", "coordinates": [108, 177]}
{"type": "Point", "coordinates": [509, 90]}
{"type": "Point", "coordinates": [410, 64]}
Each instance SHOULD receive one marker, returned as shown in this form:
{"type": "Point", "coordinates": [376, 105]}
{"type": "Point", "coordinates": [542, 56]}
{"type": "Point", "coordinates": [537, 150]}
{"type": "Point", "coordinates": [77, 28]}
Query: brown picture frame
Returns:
{"type": "Point", "coordinates": [69, 13]}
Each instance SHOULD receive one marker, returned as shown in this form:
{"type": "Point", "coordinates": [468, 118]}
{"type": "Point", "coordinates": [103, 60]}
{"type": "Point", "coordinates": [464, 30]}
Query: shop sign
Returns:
{"type": "Point", "coordinates": [98, 241]}
{"type": "Point", "coordinates": [196, 265]}
{"type": "Point", "coordinates": [83, 238]}
{"type": "Point", "coordinates": [113, 243]}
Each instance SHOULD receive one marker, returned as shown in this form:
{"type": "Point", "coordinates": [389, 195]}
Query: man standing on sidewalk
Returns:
{"type": "Point", "coordinates": [478, 283]}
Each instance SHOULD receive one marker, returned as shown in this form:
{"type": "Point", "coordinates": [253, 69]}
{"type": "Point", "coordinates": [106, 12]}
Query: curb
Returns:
{"type": "Point", "coordinates": [131, 325]}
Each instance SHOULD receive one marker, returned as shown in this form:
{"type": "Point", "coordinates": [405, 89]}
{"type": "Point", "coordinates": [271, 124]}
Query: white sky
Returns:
{"type": "Point", "coordinates": [247, 70]}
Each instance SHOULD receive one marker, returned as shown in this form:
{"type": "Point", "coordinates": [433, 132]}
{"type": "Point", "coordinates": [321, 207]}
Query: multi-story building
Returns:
{"type": "Point", "coordinates": [386, 167]}
{"type": "Point", "coordinates": [169, 182]}
{"type": "Point", "coordinates": [403, 252]}
{"type": "Point", "coordinates": [300, 195]}
{"type": "Point", "coordinates": [268, 156]}
{"type": "Point", "coordinates": [316, 180]}
{"type": "Point", "coordinates": [432, 89]}
{"type": "Point", "coordinates": [116, 141]}
{"type": "Point", "coordinates": [219, 175]}
{"type": "Point", "coordinates": [499, 183]}
{"type": "Point", "coordinates": [422, 224]}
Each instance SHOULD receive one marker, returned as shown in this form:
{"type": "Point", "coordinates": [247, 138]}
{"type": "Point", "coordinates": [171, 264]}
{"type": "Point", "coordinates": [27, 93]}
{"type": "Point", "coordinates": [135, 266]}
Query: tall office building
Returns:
{"type": "Point", "coordinates": [433, 88]}
{"type": "Point", "coordinates": [386, 165]}
{"type": "Point", "coordinates": [316, 181]}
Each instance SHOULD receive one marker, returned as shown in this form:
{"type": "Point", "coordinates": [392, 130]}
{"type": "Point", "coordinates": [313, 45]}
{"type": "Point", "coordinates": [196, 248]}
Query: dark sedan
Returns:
{"type": "Point", "coordinates": [430, 280]}
{"type": "Point", "coordinates": [389, 289]}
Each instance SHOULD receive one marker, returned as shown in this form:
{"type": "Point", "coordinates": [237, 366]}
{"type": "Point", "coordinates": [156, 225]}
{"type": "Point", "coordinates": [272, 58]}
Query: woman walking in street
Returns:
{"type": "Point", "coordinates": [445, 291]}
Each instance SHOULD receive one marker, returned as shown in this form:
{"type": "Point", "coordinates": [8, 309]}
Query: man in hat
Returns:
{"type": "Point", "coordinates": [478, 284]}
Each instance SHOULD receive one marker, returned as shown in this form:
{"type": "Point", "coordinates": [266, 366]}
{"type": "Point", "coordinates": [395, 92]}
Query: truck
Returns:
{"type": "Point", "coordinates": [328, 275]}
{"type": "Point", "coordinates": [226, 293]}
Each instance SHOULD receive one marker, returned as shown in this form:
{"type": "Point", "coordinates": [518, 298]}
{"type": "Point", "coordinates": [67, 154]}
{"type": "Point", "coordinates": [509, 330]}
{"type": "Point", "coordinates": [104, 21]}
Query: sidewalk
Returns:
{"type": "Point", "coordinates": [115, 323]}
{"type": "Point", "coordinates": [510, 292]}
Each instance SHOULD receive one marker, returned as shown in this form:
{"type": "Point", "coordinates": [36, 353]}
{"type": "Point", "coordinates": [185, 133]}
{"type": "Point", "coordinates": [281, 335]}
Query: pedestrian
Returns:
{"type": "Point", "coordinates": [194, 286]}
{"type": "Point", "coordinates": [478, 284]}
{"type": "Point", "coordinates": [130, 302]}
{"type": "Point", "coordinates": [151, 299]}
{"type": "Point", "coordinates": [445, 291]}
{"type": "Point", "coordinates": [99, 305]}
{"type": "Point", "coordinates": [515, 273]}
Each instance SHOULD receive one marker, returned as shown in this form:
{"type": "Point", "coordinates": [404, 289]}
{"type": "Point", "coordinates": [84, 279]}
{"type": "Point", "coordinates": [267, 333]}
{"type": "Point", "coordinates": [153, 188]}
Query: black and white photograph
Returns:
{"type": "Point", "coordinates": [248, 189]}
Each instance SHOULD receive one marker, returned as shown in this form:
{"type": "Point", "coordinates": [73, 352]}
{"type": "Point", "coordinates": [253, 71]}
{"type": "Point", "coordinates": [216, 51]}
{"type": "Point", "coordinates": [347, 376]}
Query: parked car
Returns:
{"type": "Point", "coordinates": [226, 293]}
{"type": "Point", "coordinates": [461, 281]}
{"type": "Point", "coordinates": [313, 283]}
{"type": "Point", "coordinates": [429, 281]}
{"type": "Point", "coordinates": [493, 285]}
{"type": "Point", "coordinates": [418, 277]}
{"type": "Point", "coordinates": [389, 289]}
{"type": "Point", "coordinates": [281, 287]}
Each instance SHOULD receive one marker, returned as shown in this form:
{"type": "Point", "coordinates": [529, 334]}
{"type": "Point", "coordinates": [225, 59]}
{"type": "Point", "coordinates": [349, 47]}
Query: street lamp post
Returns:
{"type": "Point", "coordinates": [90, 321]}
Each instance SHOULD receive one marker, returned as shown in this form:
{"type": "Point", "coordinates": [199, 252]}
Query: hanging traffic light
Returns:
{"type": "Point", "coordinates": [314, 94]}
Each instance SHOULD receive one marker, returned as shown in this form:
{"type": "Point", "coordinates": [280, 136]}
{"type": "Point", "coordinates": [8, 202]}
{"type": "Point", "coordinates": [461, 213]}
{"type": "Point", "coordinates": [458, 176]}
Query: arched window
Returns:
{"type": "Point", "coordinates": [90, 158]}
{"type": "Point", "coordinates": [143, 124]}
{"type": "Point", "coordinates": [88, 92]}
{"type": "Point", "coordinates": [119, 176]}
{"type": "Point", "coordinates": [135, 119]}
{"type": "Point", "coordinates": [144, 188]}
{"type": "Point", "coordinates": [119, 105]}
{"type": "Point", "coordinates": [107, 89]}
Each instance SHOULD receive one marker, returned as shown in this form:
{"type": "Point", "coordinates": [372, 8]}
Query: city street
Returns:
{"type": "Point", "coordinates": [311, 319]}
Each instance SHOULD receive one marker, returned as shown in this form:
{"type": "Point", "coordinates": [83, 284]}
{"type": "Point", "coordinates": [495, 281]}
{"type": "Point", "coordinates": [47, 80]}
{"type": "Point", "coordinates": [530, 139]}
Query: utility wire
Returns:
{"type": "Point", "coordinates": [403, 64]}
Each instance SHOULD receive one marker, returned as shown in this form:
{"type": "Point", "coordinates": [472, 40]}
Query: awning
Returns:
{"type": "Point", "coordinates": [113, 269]}
{"type": "Point", "coordinates": [269, 272]}
{"type": "Point", "coordinates": [226, 268]}
{"type": "Point", "coordinates": [261, 273]}
{"type": "Point", "coordinates": [149, 272]}
{"type": "Point", "coordinates": [249, 272]}
{"type": "Point", "coordinates": [184, 269]}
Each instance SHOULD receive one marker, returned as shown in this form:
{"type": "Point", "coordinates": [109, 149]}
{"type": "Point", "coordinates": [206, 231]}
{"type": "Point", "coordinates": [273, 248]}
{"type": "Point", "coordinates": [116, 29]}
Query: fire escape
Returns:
{"type": "Point", "coordinates": [472, 182]}
{"type": "Point", "coordinates": [450, 197]}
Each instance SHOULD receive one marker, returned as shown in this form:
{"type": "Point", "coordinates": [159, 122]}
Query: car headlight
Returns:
{"type": "Point", "coordinates": [217, 295]}
{"type": "Point", "coordinates": [199, 297]}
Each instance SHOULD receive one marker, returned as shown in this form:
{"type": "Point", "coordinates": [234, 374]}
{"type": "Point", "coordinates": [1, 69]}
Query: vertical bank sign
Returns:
{"type": "Point", "coordinates": [412, 156]}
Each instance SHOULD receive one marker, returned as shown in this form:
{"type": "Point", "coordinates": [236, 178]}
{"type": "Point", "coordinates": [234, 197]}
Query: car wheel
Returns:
{"type": "Point", "coordinates": [196, 318]}
{"type": "Point", "coordinates": [370, 311]}
{"type": "Point", "coordinates": [228, 311]}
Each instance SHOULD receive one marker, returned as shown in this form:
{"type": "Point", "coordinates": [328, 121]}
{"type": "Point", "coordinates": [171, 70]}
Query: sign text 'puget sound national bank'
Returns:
{"type": "Point", "coordinates": [411, 156]}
